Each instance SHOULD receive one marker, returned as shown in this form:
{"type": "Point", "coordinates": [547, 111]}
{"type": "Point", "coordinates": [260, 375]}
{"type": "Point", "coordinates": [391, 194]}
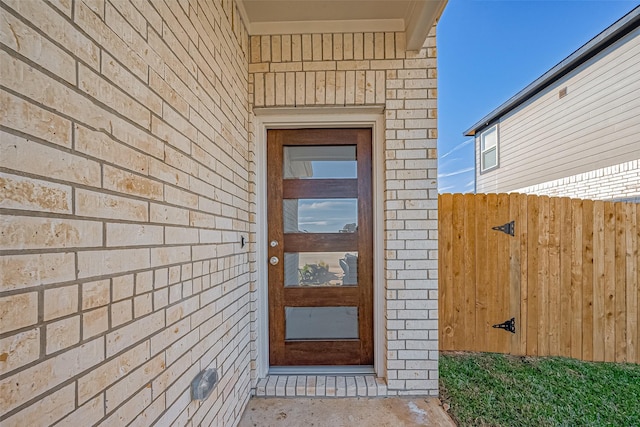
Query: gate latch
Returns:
{"type": "Point", "coordinates": [508, 228]}
{"type": "Point", "coordinates": [509, 325]}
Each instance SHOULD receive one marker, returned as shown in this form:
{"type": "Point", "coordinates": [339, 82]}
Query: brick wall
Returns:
{"type": "Point", "coordinates": [124, 192]}
{"type": "Point", "coordinates": [375, 69]}
{"type": "Point", "coordinates": [611, 183]}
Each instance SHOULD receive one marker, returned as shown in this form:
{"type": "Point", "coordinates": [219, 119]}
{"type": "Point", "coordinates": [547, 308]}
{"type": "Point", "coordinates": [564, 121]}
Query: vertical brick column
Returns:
{"type": "Point", "coordinates": [351, 69]}
{"type": "Point", "coordinates": [411, 225]}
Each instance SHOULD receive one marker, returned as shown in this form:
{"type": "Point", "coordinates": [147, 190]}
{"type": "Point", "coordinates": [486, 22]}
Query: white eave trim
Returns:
{"type": "Point", "coordinates": [243, 15]}
{"type": "Point", "coordinates": [416, 24]}
{"type": "Point", "coordinates": [420, 22]}
{"type": "Point", "coordinates": [318, 27]}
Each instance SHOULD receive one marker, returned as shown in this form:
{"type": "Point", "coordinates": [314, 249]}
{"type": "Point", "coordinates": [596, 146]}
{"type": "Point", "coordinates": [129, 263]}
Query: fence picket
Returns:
{"type": "Point", "coordinates": [469, 303]}
{"type": "Point", "coordinates": [620, 315]}
{"type": "Point", "coordinates": [587, 279]}
{"type": "Point", "coordinates": [632, 281]}
{"type": "Point", "coordinates": [524, 272]}
{"type": "Point", "coordinates": [445, 263]}
{"type": "Point", "coordinates": [576, 281]}
{"type": "Point", "coordinates": [493, 301]}
{"type": "Point", "coordinates": [458, 291]}
{"type": "Point", "coordinates": [533, 212]}
{"type": "Point", "coordinates": [598, 281]}
{"type": "Point", "coordinates": [482, 284]}
{"type": "Point", "coordinates": [566, 246]}
{"type": "Point", "coordinates": [555, 308]}
{"type": "Point", "coordinates": [610, 282]}
{"type": "Point", "coordinates": [543, 276]}
{"type": "Point", "coordinates": [503, 340]}
{"type": "Point", "coordinates": [515, 273]}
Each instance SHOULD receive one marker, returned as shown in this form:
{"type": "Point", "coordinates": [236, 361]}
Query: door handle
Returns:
{"type": "Point", "coordinates": [274, 260]}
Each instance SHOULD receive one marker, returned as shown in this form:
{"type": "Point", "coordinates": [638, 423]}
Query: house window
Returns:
{"type": "Point", "coordinates": [489, 148]}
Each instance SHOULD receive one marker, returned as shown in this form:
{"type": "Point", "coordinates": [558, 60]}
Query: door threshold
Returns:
{"type": "Point", "coordinates": [331, 385]}
{"type": "Point", "coordinates": [322, 370]}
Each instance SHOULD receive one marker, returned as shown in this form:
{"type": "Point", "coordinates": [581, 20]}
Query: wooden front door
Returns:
{"type": "Point", "coordinates": [320, 247]}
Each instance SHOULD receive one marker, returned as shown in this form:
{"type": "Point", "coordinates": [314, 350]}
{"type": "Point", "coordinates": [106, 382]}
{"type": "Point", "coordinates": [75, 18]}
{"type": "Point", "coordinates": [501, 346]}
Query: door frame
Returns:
{"type": "Point", "coordinates": [322, 117]}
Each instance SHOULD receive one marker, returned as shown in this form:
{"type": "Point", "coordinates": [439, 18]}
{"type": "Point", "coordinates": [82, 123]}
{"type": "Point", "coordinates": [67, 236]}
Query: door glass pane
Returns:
{"type": "Point", "coordinates": [320, 269]}
{"type": "Point", "coordinates": [316, 162]}
{"type": "Point", "coordinates": [316, 323]}
{"type": "Point", "coordinates": [320, 215]}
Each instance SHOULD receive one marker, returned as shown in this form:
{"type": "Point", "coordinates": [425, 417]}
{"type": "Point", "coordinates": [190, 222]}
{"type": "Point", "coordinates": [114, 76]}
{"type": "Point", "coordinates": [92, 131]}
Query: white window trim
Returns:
{"type": "Point", "coordinates": [484, 169]}
{"type": "Point", "coordinates": [335, 117]}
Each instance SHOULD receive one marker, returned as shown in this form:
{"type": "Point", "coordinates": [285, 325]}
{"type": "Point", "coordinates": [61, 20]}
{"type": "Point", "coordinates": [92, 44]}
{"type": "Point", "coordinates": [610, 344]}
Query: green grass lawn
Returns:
{"type": "Point", "coordinates": [499, 390]}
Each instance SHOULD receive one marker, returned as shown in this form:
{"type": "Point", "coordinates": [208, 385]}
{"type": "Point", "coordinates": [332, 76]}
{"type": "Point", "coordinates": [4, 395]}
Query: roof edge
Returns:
{"type": "Point", "coordinates": [606, 38]}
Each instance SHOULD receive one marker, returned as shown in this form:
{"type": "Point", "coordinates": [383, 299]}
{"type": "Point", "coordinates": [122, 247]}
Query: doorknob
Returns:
{"type": "Point", "coordinates": [274, 260]}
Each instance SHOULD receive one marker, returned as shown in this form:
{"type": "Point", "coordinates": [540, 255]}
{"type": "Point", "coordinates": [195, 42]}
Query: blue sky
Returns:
{"type": "Point", "coordinates": [490, 50]}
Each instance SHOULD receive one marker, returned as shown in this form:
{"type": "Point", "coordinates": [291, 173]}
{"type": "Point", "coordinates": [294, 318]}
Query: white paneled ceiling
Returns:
{"type": "Point", "coordinates": [315, 16]}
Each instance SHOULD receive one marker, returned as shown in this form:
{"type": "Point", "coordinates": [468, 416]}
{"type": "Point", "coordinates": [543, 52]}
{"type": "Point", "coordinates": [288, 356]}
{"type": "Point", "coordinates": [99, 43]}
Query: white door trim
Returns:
{"type": "Point", "coordinates": [324, 117]}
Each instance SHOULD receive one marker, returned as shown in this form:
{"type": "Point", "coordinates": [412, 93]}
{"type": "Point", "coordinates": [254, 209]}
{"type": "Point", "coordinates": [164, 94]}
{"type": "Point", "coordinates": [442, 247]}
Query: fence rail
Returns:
{"type": "Point", "coordinates": [569, 276]}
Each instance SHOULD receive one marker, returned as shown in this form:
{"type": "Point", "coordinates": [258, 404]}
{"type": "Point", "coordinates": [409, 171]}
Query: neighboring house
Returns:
{"type": "Point", "coordinates": [575, 131]}
{"type": "Point", "coordinates": [246, 186]}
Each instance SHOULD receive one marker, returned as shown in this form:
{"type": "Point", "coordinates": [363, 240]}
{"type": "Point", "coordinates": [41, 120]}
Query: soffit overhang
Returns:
{"type": "Point", "coordinates": [415, 17]}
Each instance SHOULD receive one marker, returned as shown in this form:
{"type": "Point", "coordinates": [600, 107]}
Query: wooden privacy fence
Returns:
{"type": "Point", "coordinates": [569, 276]}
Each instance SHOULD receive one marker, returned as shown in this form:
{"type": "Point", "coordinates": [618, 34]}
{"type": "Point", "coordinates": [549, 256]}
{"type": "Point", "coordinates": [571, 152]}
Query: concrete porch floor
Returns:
{"type": "Point", "coordinates": [345, 412]}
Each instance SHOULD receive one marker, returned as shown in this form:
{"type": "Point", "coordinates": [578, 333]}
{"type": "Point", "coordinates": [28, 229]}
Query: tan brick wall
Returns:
{"type": "Point", "coordinates": [351, 69]}
{"type": "Point", "coordinates": [124, 191]}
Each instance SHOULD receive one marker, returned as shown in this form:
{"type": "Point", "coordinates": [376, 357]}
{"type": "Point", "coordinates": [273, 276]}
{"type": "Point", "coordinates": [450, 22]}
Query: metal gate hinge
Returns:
{"type": "Point", "coordinates": [509, 325]}
{"type": "Point", "coordinates": [508, 228]}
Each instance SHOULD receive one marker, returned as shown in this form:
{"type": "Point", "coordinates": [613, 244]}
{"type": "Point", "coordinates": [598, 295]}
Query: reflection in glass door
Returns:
{"type": "Point", "coordinates": [320, 268]}
{"type": "Point", "coordinates": [320, 277]}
